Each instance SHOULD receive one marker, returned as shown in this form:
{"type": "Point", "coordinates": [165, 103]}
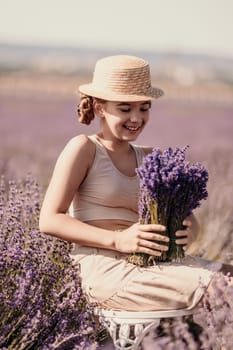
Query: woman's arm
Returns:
{"type": "Point", "coordinates": [70, 170]}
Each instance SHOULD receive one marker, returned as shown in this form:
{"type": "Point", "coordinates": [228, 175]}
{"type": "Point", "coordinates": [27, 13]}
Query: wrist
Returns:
{"type": "Point", "coordinates": [107, 239]}
{"type": "Point", "coordinates": [115, 239]}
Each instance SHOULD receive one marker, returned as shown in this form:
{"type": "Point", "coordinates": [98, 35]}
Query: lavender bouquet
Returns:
{"type": "Point", "coordinates": [170, 188]}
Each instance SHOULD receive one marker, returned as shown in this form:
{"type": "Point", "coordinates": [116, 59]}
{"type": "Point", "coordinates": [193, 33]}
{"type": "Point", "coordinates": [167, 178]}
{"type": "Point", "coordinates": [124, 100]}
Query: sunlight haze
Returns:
{"type": "Point", "coordinates": [202, 26]}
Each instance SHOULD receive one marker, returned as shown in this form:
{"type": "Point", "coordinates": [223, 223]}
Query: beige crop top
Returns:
{"type": "Point", "coordinates": [106, 193]}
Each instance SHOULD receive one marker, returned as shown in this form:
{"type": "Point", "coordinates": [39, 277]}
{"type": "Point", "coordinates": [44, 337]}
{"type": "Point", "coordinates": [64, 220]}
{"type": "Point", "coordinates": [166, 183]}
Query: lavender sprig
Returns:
{"type": "Point", "coordinates": [170, 189]}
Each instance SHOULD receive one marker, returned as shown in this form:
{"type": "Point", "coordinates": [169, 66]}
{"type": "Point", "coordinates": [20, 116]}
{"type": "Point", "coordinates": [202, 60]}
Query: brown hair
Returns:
{"type": "Point", "coordinates": [86, 110]}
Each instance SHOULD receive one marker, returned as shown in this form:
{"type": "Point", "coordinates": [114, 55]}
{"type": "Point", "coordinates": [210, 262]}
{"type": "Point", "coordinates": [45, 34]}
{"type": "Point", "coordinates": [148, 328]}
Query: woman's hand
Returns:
{"type": "Point", "coordinates": [140, 238]}
{"type": "Point", "coordinates": [189, 234]}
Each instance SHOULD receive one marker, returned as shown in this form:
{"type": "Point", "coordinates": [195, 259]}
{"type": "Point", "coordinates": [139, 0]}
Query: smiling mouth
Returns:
{"type": "Point", "coordinates": [132, 128]}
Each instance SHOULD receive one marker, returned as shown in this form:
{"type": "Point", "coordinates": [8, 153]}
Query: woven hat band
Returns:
{"type": "Point", "coordinates": [123, 81]}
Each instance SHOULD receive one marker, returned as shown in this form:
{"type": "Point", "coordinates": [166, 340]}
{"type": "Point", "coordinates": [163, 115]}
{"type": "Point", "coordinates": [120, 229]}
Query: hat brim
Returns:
{"type": "Point", "coordinates": [152, 93]}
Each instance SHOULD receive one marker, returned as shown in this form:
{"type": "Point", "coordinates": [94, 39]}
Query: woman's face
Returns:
{"type": "Point", "coordinates": [124, 120]}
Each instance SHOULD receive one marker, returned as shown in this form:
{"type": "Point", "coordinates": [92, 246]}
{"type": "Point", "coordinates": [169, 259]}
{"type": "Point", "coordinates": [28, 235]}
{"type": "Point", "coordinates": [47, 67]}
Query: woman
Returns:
{"type": "Point", "coordinates": [95, 180]}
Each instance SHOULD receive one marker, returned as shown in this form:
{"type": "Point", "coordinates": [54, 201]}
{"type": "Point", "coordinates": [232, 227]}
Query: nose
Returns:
{"type": "Point", "coordinates": [136, 116]}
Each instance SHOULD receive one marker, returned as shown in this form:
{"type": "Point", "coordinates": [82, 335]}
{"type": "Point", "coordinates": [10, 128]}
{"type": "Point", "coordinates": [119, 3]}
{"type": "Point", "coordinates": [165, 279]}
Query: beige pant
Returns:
{"type": "Point", "coordinates": [115, 284]}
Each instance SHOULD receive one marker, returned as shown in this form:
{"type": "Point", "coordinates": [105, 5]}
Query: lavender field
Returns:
{"type": "Point", "coordinates": [35, 127]}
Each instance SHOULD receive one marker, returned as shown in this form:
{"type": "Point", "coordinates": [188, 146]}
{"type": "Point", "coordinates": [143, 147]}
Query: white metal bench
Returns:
{"type": "Point", "coordinates": [127, 329]}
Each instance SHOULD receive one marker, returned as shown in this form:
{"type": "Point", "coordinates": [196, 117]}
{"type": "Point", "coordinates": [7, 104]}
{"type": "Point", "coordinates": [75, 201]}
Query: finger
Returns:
{"type": "Point", "coordinates": [187, 222]}
{"type": "Point", "coordinates": [152, 245]}
{"type": "Point", "coordinates": [153, 237]}
{"type": "Point", "coordinates": [181, 233]}
{"type": "Point", "coordinates": [149, 251]}
{"type": "Point", "coordinates": [152, 227]}
{"type": "Point", "coordinates": [182, 241]}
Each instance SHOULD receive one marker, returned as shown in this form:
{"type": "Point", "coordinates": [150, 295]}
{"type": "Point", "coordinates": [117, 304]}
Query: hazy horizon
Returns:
{"type": "Point", "coordinates": [183, 26]}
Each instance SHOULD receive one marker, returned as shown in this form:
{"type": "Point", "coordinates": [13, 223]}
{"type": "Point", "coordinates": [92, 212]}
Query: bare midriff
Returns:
{"type": "Point", "coordinates": [111, 224]}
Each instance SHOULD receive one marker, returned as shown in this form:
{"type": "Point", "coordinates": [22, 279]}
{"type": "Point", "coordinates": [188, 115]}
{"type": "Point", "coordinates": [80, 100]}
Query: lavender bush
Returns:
{"type": "Point", "coordinates": [170, 188]}
{"type": "Point", "coordinates": [215, 215]}
{"type": "Point", "coordinates": [42, 305]}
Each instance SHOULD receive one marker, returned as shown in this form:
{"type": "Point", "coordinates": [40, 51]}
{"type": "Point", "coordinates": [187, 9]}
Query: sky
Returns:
{"type": "Point", "coordinates": [196, 26]}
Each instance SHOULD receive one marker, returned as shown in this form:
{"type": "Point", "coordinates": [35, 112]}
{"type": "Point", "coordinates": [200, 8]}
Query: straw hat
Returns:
{"type": "Point", "coordinates": [121, 78]}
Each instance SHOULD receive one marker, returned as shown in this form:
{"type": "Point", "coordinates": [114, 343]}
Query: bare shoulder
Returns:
{"type": "Point", "coordinates": [80, 142]}
{"type": "Point", "coordinates": [73, 163]}
{"type": "Point", "coordinates": [71, 168]}
{"type": "Point", "coordinates": [79, 146]}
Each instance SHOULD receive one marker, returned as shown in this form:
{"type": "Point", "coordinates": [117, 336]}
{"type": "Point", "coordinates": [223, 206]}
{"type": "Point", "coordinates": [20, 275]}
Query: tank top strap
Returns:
{"type": "Point", "coordinates": [98, 144]}
{"type": "Point", "coordinates": [94, 139]}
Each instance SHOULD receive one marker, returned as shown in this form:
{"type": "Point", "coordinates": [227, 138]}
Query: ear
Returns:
{"type": "Point", "coordinates": [98, 109]}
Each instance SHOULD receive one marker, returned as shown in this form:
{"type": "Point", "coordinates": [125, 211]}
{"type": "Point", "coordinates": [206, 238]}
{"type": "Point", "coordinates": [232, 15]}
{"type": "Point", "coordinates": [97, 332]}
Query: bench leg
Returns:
{"type": "Point", "coordinates": [127, 336]}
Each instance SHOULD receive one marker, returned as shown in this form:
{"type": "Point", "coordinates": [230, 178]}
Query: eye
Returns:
{"type": "Point", "coordinates": [125, 110]}
{"type": "Point", "coordinates": [144, 109]}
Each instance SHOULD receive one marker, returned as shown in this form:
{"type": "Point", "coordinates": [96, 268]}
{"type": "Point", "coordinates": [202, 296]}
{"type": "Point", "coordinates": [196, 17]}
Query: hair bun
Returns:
{"type": "Point", "coordinates": [85, 110]}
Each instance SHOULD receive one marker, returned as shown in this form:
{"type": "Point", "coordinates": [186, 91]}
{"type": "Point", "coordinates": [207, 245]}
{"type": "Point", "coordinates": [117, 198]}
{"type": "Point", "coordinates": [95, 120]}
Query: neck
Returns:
{"type": "Point", "coordinates": [113, 144]}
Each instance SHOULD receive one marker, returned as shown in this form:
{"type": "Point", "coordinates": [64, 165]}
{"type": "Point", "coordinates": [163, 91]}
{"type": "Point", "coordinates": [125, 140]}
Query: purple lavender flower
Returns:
{"type": "Point", "coordinates": [42, 305]}
{"type": "Point", "coordinates": [172, 187]}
